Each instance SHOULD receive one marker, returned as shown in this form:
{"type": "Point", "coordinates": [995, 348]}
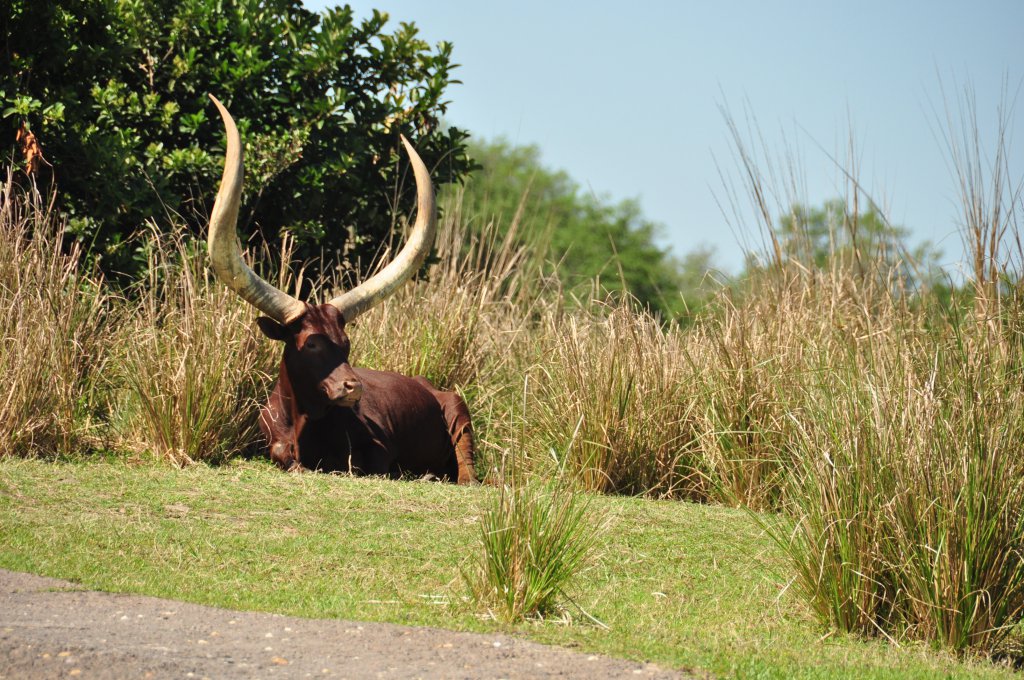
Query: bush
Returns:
{"type": "Point", "coordinates": [115, 92]}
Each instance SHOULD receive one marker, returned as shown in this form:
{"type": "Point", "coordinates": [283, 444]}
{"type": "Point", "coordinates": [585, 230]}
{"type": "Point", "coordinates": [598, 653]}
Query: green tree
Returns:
{"type": "Point", "coordinates": [866, 239]}
{"type": "Point", "coordinates": [115, 92]}
{"type": "Point", "coordinates": [587, 236]}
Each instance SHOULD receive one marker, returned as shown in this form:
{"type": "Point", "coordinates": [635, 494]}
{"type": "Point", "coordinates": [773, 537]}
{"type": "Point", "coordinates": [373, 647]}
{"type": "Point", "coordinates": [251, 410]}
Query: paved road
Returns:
{"type": "Point", "coordinates": [53, 629]}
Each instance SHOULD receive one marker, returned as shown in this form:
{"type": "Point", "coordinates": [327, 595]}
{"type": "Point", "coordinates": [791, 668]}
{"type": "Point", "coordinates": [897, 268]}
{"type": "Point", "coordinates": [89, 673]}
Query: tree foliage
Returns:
{"type": "Point", "coordinates": [116, 93]}
{"type": "Point", "coordinates": [817, 236]}
{"type": "Point", "coordinates": [587, 236]}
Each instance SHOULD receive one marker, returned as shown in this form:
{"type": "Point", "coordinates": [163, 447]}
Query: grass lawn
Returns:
{"type": "Point", "coordinates": [680, 584]}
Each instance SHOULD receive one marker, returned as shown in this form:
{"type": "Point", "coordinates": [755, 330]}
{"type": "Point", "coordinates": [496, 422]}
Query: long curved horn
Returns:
{"type": "Point", "coordinates": [222, 242]}
{"type": "Point", "coordinates": [421, 238]}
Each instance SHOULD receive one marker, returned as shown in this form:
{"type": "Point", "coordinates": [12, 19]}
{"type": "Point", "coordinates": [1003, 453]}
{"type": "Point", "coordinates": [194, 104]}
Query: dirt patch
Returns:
{"type": "Point", "coordinates": [53, 629]}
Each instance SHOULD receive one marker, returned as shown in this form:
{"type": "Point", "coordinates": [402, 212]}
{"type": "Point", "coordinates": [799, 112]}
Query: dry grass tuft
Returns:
{"type": "Point", "coordinates": [52, 333]}
{"type": "Point", "coordinates": [191, 365]}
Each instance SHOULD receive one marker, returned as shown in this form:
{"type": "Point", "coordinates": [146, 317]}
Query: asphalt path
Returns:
{"type": "Point", "coordinates": [54, 629]}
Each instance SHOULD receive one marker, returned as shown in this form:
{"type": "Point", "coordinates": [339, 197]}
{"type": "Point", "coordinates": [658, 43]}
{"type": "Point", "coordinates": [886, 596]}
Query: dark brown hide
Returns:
{"type": "Point", "coordinates": [323, 414]}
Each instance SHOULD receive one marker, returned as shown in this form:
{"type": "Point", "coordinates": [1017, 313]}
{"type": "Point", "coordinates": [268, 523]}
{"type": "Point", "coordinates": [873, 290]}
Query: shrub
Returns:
{"type": "Point", "coordinates": [115, 92]}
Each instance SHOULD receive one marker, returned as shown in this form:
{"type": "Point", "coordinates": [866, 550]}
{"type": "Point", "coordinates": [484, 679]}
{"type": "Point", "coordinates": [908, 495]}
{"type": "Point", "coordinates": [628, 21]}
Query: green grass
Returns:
{"type": "Point", "coordinates": [535, 539]}
{"type": "Point", "coordinates": [680, 584]}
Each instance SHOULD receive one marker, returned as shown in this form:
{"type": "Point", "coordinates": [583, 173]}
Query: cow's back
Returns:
{"type": "Point", "coordinates": [398, 427]}
{"type": "Point", "coordinates": [410, 415]}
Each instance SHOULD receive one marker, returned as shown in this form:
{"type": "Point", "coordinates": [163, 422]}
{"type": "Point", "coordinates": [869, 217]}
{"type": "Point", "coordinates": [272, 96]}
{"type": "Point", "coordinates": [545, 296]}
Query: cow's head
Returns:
{"type": "Point", "coordinates": [316, 345]}
{"type": "Point", "coordinates": [316, 349]}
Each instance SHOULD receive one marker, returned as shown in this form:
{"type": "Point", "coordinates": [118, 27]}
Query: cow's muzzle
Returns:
{"type": "Point", "coordinates": [342, 387]}
{"type": "Point", "coordinates": [345, 393]}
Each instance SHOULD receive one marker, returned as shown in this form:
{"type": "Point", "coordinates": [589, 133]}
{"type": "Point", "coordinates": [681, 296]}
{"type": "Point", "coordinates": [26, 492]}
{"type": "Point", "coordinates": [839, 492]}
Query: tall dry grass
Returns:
{"type": "Point", "coordinates": [455, 325]}
{"type": "Point", "coordinates": [902, 483]}
{"type": "Point", "coordinates": [53, 332]}
{"type": "Point", "coordinates": [607, 400]}
{"type": "Point", "coordinates": [907, 488]}
{"type": "Point", "coordinates": [189, 366]}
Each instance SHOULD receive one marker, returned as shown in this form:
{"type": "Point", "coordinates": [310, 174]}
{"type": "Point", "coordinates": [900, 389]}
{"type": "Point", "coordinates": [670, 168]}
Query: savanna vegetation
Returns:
{"type": "Point", "coordinates": [863, 408]}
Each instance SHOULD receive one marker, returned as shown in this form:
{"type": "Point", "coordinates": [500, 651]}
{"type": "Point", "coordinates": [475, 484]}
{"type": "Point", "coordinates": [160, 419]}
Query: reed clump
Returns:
{"type": "Point", "coordinates": [534, 540]}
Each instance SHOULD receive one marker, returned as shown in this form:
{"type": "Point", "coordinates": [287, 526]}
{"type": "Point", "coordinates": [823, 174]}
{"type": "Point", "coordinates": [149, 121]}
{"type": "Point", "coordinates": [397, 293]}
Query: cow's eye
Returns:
{"type": "Point", "coordinates": [313, 345]}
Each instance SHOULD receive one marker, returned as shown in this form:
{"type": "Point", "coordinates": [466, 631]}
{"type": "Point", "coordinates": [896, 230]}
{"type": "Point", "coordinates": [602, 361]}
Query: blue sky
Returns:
{"type": "Point", "coordinates": [626, 96]}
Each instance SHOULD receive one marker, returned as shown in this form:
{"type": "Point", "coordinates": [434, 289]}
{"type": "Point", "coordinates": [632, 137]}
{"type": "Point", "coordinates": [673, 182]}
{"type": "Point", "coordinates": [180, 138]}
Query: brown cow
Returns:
{"type": "Point", "coordinates": [323, 414]}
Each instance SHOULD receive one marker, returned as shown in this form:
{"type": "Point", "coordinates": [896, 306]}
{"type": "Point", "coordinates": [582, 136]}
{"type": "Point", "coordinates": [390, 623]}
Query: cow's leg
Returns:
{"type": "Point", "coordinates": [280, 432]}
{"type": "Point", "coordinates": [460, 428]}
{"type": "Point", "coordinates": [465, 453]}
{"type": "Point", "coordinates": [374, 459]}
{"type": "Point", "coordinates": [285, 454]}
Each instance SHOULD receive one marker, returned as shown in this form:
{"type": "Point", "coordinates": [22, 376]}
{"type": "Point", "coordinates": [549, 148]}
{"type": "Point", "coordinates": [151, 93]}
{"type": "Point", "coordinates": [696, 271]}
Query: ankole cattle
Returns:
{"type": "Point", "coordinates": [323, 413]}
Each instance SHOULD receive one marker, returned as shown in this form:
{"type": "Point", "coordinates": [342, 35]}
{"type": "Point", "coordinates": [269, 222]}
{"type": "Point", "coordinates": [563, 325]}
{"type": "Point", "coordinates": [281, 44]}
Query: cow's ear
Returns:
{"type": "Point", "coordinates": [271, 328]}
